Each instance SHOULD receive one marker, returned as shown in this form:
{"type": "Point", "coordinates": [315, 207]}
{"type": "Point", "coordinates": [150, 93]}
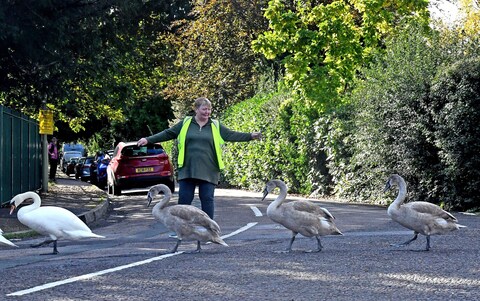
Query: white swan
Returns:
{"type": "Point", "coordinates": [187, 221]}
{"type": "Point", "coordinates": [54, 222]}
{"type": "Point", "coordinates": [301, 216]}
{"type": "Point", "coordinates": [421, 217]}
{"type": "Point", "coordinates": [6, 242]}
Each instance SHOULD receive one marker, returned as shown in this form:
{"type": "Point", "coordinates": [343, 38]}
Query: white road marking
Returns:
{"type": "Point", "coordinates": [256, 211]}
{"type": "Point", "coordinates": [112, 270]}
{"type": "Point", "coordinates": [244, 228]}
{"type": "Point", "coordinates": [91, 275]}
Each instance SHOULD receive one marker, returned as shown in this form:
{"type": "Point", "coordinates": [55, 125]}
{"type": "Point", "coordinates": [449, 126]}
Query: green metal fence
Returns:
{"type": "Point", "coordinates": [20, 154]}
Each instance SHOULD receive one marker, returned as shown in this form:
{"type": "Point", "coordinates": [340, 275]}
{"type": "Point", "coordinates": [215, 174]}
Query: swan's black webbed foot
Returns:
{"type": "Point", "coordinates": [408, 242]}
{"type": "Point", "coordinates": [46, 242]}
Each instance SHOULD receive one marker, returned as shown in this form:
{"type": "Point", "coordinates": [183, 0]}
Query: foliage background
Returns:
{"type": "Point", "coordinates": [345, 93]}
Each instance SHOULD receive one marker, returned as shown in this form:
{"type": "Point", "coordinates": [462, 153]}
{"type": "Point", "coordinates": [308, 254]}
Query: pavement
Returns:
{"type": "Point", "coordinates": [85, 200]}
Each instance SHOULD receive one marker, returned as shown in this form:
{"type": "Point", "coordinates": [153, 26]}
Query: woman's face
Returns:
{"type": "Point", "coordinates": [203, 112]}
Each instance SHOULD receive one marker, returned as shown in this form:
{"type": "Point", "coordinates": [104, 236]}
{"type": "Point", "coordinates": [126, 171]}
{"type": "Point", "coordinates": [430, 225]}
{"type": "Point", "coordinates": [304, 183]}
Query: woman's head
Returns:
{"type": "Point", "coordinates": [202, 101]}
{"type": "Point", "coordinates": [203, 108]}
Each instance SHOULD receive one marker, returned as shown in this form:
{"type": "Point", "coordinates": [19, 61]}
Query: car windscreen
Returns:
{"type": "Point", "coordinates": [147, 150]}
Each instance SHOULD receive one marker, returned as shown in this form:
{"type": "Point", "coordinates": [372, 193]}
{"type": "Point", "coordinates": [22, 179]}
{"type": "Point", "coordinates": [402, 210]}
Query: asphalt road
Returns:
{"type": "Point", "coordinates": [360, 265]}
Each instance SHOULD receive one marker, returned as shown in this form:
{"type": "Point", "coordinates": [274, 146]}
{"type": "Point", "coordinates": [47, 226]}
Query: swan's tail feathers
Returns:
{"type": "Point", "coordinates": [461, 226]}
{"type": "Point", "coordinates": [337, 232]}
{"type": "Point", "coordinates": [6, 242]}
{"type": "Point", "coordinates": [83, 234]}
{"type": "Point", "coordinates": [220, 241]}
{"type": "Point", "coordinates": [98, 236]}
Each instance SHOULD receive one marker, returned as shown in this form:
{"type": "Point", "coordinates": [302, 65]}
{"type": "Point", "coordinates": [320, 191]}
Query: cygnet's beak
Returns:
{"type": "Point", "coordinates": [265, 193]}
{"type": "Point", "coordinates": [387, 187]}
{"type": "Point", "coordinates": [12, 208]}
{"type": "Point", "coordinates": [149, 199]}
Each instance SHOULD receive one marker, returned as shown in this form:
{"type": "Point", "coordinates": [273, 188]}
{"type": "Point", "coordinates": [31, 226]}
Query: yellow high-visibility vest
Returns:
{"type": "Point", "coordinates": [217, 141]}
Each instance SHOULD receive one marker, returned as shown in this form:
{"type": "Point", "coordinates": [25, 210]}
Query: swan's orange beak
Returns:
{"type": "Point", "coordinates": [12, 208]}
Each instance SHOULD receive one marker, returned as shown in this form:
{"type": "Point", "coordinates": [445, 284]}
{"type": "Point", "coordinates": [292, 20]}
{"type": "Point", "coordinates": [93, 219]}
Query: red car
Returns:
{"type": "Point", "coordinates": [133, 166]}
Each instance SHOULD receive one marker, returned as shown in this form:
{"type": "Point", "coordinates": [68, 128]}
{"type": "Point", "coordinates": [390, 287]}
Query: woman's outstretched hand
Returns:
{"type": "Point", "coordinates": [142, 142]}
{"type": "Point", "coordinates": [256, 135]}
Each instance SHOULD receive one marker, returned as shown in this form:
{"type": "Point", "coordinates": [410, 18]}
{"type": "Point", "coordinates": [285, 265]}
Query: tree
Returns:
{"type": "Point", "coordinates": [415, 114]}
{"type": "Point", "coordinates": [322, 44]}
{"type": "Point", "coordinates": [471, 17]}
{"type": "Point", "coordinates": [213, 54]}
{"type": "Point", "coordinates": [76, 55]}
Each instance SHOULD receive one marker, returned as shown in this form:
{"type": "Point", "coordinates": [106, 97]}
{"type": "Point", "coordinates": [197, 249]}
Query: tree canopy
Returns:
{"type": "Point", "coordinates": [87, 60]}
{"type": "Point", "coordinates": [213, 51]}
{"type": "Point", "coordinates": [323, 43]}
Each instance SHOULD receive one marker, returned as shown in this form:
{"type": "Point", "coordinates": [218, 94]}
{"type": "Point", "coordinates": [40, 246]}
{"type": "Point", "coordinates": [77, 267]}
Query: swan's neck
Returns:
{"type": "Point", "coordinates": [280, 198]}
{"type": "Point", "coordinates": [163, 202]}
{"type": "Point", "coordinates": [402, 192]}
{"type": "Point", "coordinates": [36, 202]}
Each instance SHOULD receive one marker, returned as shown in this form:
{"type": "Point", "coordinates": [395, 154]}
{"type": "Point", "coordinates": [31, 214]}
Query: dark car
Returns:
{"type": "Point", "coordinates": [82, 169]}
{"type": "Point", "coordinates": [66, 156]}
{"type": "Point", "coordinates": [98, 169]}
{"type": "Point", "coordinates": [70, 165]}
{"type": "Point", "coordinates": [133, 166]}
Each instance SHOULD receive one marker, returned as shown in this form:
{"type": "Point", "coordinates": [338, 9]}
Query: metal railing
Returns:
{"type": "Point", "coordinates": [20, 154]}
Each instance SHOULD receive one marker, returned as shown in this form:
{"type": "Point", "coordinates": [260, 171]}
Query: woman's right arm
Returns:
{"type": "Point", "coordinates": [164, 135]}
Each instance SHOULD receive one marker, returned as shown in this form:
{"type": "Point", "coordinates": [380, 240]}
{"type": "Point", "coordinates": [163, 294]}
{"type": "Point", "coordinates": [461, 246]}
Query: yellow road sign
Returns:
{"type": "Point", "coordinates": [46, 122]}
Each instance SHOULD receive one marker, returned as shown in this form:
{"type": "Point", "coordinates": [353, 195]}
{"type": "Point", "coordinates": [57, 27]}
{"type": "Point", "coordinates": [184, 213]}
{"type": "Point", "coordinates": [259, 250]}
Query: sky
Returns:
{"type": "Point", "coordinates": [444, 9]}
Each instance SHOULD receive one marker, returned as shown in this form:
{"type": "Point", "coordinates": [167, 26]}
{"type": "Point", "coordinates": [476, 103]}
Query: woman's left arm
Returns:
{"type": "Point", "coordinates": [234, 136]}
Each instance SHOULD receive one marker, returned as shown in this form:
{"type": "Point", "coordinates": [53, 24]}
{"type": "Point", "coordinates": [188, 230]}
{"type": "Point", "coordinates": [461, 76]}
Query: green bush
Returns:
{"type": "Point", "coordinates": [250, 165]}
{"type": "Point", "coordinates": [454, 105]}
{"type": "Point", "coordinates": [415, 120]}
{"type": "Point", "coordinates": [414, 112]}
{"type": "Point", "coordinates": [299, 147]}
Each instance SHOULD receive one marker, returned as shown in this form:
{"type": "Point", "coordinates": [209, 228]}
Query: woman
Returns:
{"type": "Point", "coordinates": [53, 159]}
{"type": "Point", "coordinates": [199, 159]}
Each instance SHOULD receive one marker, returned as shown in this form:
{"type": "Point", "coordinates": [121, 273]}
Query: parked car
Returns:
{"type": "Point", "coordinates": [82, 169]}
{"type": "Point", "coordinates": [102, 172]}
{"type": "Point", "coordinates": [70, 166]}
{"type": "Point", "coordinates": [133, 166]}
{"type": "Point", "coordinates": [67, 156]}
{"type": "Point", "coordinates": [98, 169]}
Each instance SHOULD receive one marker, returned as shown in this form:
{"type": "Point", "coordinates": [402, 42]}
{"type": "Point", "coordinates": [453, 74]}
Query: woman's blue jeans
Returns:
{"type": "Point", "coordinates": [206, 191]}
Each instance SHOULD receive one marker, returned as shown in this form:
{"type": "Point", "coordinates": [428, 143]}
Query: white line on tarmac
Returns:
{"type": "Point", "coordinates": [244, 228]}
{"type": "Point", "coordinates": [107, 271]}
{"type": "Point", "coordinates": [256, 211]}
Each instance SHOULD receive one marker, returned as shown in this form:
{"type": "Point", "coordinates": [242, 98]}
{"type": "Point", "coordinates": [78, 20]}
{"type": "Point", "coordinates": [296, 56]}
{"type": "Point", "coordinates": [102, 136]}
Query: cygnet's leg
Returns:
{"type": "Point", "coordinates": [428, 243]}
{"type": "Point", "coordinates": [55, 251]}
{"type": "Point", "coordinates": [197, 250]}
{"type": "Point", "coordinates": [319, 246]}
{"type": "Point", "coordinates": [289, 248]}
{"type": "Point", "coordinates": [174, 250]}
{"type": "Point", "coordinates": [415, 235]}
